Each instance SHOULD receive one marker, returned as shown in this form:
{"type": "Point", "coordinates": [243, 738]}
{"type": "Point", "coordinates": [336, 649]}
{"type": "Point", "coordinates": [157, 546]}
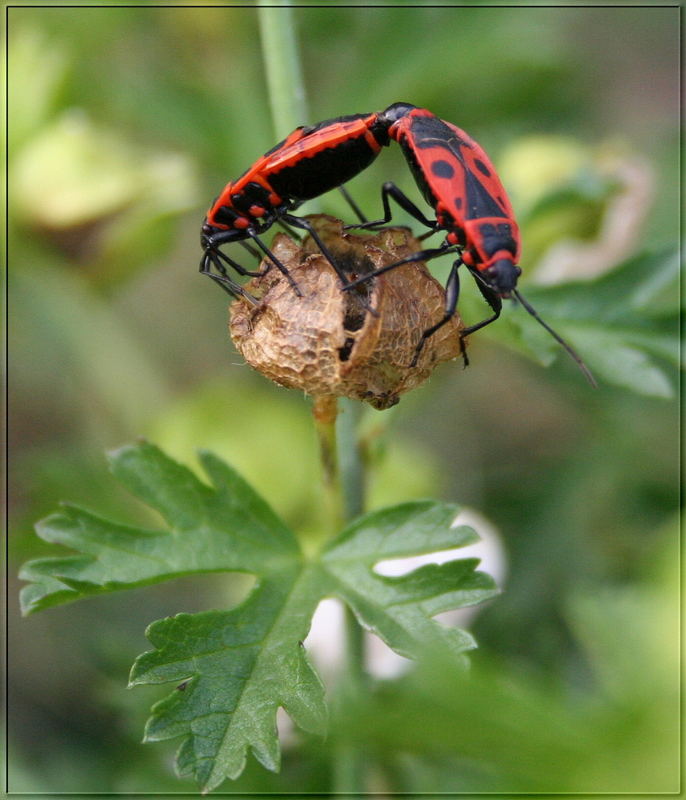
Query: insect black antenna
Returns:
{"type": "Point", "coordinates": [580, 363]}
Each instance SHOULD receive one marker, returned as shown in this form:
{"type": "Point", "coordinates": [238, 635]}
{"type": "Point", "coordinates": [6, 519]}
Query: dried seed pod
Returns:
{"type": "Point", "coordinates": [327, 342]}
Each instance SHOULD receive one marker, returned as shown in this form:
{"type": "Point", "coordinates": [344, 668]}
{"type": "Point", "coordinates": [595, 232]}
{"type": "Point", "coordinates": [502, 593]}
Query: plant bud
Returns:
{"type": "Point", "coordinates": [359, 343]}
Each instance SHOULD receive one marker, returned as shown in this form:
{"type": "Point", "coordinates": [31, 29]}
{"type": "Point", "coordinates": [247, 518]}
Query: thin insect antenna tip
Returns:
{"type": "Point", "coordinates": [570, 350]}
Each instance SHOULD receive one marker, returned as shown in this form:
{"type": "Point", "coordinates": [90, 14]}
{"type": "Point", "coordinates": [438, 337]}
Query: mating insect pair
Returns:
{"type": "Point", "coordinates": [453, 173]}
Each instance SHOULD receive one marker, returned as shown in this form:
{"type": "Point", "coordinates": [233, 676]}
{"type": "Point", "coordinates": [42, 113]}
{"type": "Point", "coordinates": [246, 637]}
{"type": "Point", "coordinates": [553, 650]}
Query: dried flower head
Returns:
{"type": "Point", "coordinates": [328, 342]}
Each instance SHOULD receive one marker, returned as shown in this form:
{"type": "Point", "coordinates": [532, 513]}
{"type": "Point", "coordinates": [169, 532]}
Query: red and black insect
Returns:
{"type": "Point", "coordinates": [458, 180]}
{"type": "Point", "coordinates": [310, 161]}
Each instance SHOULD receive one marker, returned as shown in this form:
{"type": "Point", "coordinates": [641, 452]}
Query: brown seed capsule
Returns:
{"type": "Point", "coordinates": [328, 342]}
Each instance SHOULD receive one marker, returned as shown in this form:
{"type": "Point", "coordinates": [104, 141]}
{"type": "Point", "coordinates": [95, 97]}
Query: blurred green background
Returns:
{"type": "Point", "coordinates": [124, 124]}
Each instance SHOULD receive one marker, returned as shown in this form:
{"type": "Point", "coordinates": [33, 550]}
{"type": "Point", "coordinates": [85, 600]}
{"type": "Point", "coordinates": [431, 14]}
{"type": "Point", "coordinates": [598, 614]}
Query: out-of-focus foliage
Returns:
{"type": "Point", "coordinates": [124, 124]}
{"type": "Point", "coordinates": [491, 731]}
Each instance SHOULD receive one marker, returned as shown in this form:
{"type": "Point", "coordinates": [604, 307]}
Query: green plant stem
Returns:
{"type": "Point", "coordinates": [350, 771]}
{"type": "Point", "coordinates": [343, 478]}
{"type": "Point", "coordinates": [285, 82]}
{"type": "Point", "coordinates": [339, 443]}
{"type": "Point", "coordinates": [324, 413]}
{"type": "Point", "coordinates": [350, 459]}
{"type": "Point", "coordinates": [351, 466]}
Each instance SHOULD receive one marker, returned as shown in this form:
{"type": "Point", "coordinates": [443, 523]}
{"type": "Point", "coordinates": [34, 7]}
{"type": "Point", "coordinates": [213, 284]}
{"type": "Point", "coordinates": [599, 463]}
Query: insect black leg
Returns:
{"type": "Point", "coordinates": [452, 294]}
{"type": "Point", "coordinates": [212, 245]}
{"type": "Point", "coordinates": [250, 249]}
{"type": "Point", "coordinates": [289, 230]}
{"type": "Point", "coordinates": [426, 235]}
{"type": "Point", "coordinates": [263, 247]}
{"type": "Point", "coordinates": [235, 265]}
{"type": "Point", "coordinates": [209, 260]}
{"type": "Point", "coordinates": [493, 300]}
{"type": "Point", "coordinates": [421, 255]}
{"type": "Point", "coordinates": [390, 190]}
{"type": "Point", "coordinates": [306, 225]}
{"type": "Point", "coordinates": [228, 285]}
{"type": "Point", "coordinates": [356, 209]}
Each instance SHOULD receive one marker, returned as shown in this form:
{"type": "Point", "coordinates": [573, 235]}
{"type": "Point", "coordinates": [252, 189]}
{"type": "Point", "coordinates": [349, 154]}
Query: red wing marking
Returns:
{"type": "Point", "coordinates": [322, 139]}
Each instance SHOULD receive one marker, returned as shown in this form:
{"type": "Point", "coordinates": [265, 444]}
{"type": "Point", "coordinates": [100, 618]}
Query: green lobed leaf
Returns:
{"type": "Point", "coordinates": [220, 529]}
{"type": "Point", "coordinates": [641, 285]}
{"type": "Point", "coordinates": [399, 610]}
{"type": "Point", "coordinates": [620, 322]}
{"type": "Point", "coordinates": [234, 668]}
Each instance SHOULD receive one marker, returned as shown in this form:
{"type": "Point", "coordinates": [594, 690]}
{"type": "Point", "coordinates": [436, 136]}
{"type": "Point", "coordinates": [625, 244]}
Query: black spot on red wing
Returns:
{"type": "Point", "coordinates": [418, 172]}
{"type": "Point", "coordinates": [458, 203]}
{"type": "Point", "coordinates": [483, 169]}
{"type": "Point", "coordinates": [442, 169]}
